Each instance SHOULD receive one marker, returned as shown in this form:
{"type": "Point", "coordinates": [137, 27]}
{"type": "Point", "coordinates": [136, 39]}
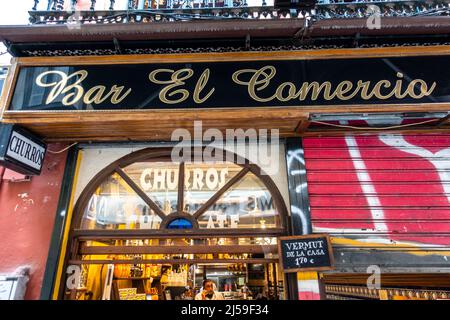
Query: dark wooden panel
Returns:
{"type": "Point", "coordinates": [171, 261]}
{"type": "Point", "coordinates": [151, 125]}
{"type": "Point", "coordinates": [177, 249]}
{"type": "Point", "coordinates": [173, 233]}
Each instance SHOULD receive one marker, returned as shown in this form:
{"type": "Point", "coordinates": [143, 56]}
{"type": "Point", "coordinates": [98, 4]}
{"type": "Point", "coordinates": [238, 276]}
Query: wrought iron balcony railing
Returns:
{"type": "Point", "coordinates": [145, 11]}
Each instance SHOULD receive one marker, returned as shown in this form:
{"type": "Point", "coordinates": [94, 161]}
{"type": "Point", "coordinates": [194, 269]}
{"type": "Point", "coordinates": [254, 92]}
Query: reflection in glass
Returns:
{"type": "Point", "coordinates": [180, 224]}
{"type": "Point", "coordinates": [159, 180]}
{"type": "Point", "coordinates": [247, 204]}
{"type": "Point", "coordinates": [114, 205]}
{"type": "Point", "coordinates": [203, 180]}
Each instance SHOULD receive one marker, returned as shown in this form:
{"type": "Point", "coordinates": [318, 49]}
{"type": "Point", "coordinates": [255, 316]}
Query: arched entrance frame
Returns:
{"type": "Point", "coordinates": [76, 234]}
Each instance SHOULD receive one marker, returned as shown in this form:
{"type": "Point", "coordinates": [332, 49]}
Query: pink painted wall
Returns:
{"type": "Point", "coordinates": [27, 214]}
{"type": "Point", "coordinates": [308, 295]}
{"type": "Point", "coordinates": [99, 4]}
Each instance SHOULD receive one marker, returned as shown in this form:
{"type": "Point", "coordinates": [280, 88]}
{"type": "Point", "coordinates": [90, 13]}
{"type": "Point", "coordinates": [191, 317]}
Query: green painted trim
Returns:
{"type": "Point", "coordinates": [58, 227]}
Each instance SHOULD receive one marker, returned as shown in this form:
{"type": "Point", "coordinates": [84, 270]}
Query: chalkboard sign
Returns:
{"type": "Point", "coordinates": [303, 253]}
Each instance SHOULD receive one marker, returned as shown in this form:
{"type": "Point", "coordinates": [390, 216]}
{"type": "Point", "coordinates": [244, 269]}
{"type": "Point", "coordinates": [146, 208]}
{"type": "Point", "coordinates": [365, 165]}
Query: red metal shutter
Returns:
{"type": "Point", "coordinates": [382, 192]}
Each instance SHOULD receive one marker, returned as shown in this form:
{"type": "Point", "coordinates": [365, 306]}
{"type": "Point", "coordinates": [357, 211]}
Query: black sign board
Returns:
{"type": "Point", "coordinates": [303, 253]}
{"type": "Point", "coordinates": [20, 150]}
{"type": "Point", "coordinates": [294, 3]}
{"type": "Point", "coordinates": [233, 84]}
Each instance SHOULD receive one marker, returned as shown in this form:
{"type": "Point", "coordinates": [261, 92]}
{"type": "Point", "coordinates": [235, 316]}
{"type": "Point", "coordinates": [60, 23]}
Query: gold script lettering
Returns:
{"type": "Point", "coordinates": [424, 91]}
{"type": "Point", "coordinates": [260, 79]}
{"type": "Point", "coordinates": [316, 89]}
{"type": "Point", "coordinates": [177, 79]}
{"type": "Point", "coordinates": [61, 87]}
{"type": "Point", "coordinates": [201, 83]}
{"type": "Point", "coordinates": [74, 92]}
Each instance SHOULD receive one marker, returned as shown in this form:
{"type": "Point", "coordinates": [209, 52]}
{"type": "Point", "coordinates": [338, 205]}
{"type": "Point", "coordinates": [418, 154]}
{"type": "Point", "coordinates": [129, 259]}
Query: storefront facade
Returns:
{"type": "Point", "coordinates": [30, 210]}
{"type": "Point", "coordinates": [359, 140]}
{"type": "Point", "coordinates": [137, 208]}
{"type": "Point", "coordinates": [383, 198]}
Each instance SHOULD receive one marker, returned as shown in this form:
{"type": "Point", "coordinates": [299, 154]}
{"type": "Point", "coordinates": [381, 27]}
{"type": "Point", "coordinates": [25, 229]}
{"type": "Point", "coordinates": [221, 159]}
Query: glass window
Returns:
{"type": "Point", "coordinates": [247, 204]}
{"type": "Point", "coordinates": [180, 224]}
{"type": "Point", "coordinates": [115, 205]}
{"type": "Point", "coordinates": [202, 181]}
{"type": "Point", "coordinates": [159, 181]}
{"type": "Point", "coordinates": [147, 192]}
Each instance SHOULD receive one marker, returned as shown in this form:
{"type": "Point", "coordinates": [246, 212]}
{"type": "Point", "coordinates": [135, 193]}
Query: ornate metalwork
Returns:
{"type": "Point", "coordinates": [186, 10]}
{"type": "Point", "coordinates": [339, 292]}
{"type": "Point", "coordinates": [355, 291]}
{"type": "Point", "coordinates": [36, 2]}
{"type": "Point", "coordinates": [73, 3]}
{"type": "Point", "coordinates": [100, 52]}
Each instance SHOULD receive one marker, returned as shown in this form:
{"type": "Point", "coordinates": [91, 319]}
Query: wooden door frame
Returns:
{"type": "Point", "coordinates": [77, 235]}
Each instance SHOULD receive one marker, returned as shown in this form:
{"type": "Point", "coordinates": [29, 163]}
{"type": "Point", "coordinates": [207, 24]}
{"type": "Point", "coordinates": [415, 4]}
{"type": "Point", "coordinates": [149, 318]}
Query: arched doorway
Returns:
{"type": "Point", "coordinates": [145, 219]}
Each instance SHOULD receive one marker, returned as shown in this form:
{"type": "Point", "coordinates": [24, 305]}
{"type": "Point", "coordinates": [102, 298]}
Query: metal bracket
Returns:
{"type": "Point", "coordinates": [117, 46]}
{"type": "Point", "coordinates": [247, 42]}
{"type": "Point", "coordinates": [356, 40]}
